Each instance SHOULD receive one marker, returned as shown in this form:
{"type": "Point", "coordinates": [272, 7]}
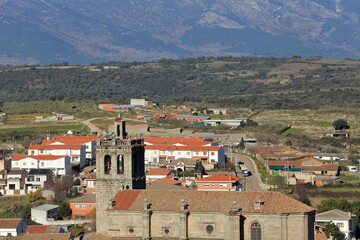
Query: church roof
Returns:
{"type": "Point", "coordinates": [208, 201]}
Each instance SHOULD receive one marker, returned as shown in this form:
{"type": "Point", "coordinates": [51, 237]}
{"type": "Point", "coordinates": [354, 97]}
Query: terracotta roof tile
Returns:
{"type": "Point", "coordinates": [9, 222]}
{"type": "Point", "coordinates": [36, 229]}
{"type": "Point", "coordinates": [166, 181]}
{"type": "Point", "coordinates": [220, 178]}
{"type": "Point", "coordinates": [44, 236]}
{"type": "Point", "coordinates": [158, 171]}
{"type": "Point", "coordinates": [54, 147]}
{"type": "Point", "coordinates": [274, 202]}
{"type": "Point", "coordinates": [37, 157]}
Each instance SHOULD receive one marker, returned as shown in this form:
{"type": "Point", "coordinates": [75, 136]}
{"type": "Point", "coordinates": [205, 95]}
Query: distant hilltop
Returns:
{"type": "Point", "coordinates": [47, 32]}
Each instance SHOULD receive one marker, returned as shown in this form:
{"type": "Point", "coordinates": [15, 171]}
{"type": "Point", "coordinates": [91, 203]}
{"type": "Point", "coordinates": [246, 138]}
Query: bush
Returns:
{"type": "Point", "coordinates": [340, 124]}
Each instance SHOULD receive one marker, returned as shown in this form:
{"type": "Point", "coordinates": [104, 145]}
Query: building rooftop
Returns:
{"type": "Point", "coordinates": [220, 178]}
{"type": "Point", "coordinates": [334, 214]}
{"type": "Point", "coordinates": [9, 222]}
{"type": "Point", "coordinates": [44, 236]}
{"type": "Point", "coordinates": [46, 207]}
{"type": "Point", "coordinates": [208, 201]}
{"type": "Point", "coordinates": [37, 157]}
{"type": "Point", "coordinates": [87, 198]}
{"type": "Point", "coordinates": [158, 171]}
{"type": "Point", "coordinates": [54, 146]}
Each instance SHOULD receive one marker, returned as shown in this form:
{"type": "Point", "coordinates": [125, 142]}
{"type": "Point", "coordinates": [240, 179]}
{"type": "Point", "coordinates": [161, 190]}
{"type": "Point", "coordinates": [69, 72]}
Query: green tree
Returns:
{"type": "Point", "coordinates": [77, 230]}
{"type": "Point", "coordinates": [334, 231]}
{"type": "Point", "coordinates": [340, 124]}
{"type": "Point", "coordinates": [64, 210]}
{"type": "Point", "coordinates": [77, 182]}
{"type": "Point", "coordinates": [242, 144]}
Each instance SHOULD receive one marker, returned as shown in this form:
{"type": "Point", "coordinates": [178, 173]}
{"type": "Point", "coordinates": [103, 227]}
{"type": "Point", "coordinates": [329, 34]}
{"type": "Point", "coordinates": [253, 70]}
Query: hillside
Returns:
{"type": "Point", "coordinates": [81, 32]}
{"type": "Point", "coordinates": [276, 83]}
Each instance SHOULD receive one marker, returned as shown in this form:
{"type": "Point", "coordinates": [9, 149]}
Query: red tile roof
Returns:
{"type": "Point", "coordinates": [54, 147]}
{"type": "Point", "coordinates": [183, 148]}
{"type": "Point", "coordinates": [220, 178]}
{"type": "Point", "coordinates": [9, 222]}
{"type": "Point", "coordinates": [44, 236]}
{"type": "Point", "coordinates": [166, 181]}
{"type": "Point", "coordinates": [325, 167]}
{"type": "Point", "coordinates": [37, 157]}
{"type": "Point", "coordinates": [274, 202]}
{"type": "Point", "coordinates": [158, 171]}
{"type": "Point", "coordinates": [34, 229]}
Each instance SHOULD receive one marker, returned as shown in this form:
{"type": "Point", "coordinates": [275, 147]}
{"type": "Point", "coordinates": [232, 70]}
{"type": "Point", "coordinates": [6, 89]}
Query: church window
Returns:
{"type": "Point", "coordinates": [131, 230]}
{"type": "Point", "coordinates": [209, 229]}
{"type": "Point", "coordinates": [166, 231]}
{"type": "Point", "coordinates": [255, 231]}
{"type": "Point", "coordinates": [120, 164]}
{"type": "Point", "coordinates": [107, 164]}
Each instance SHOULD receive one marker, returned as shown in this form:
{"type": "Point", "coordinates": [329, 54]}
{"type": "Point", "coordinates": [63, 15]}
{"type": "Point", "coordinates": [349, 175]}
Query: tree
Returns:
{"type": "Point", "coordinates": [77, 230]}
{"type": "Point", "coordinates": [199, 168]}
{"type": "Point", "coordinates": [64, 210]}
{"type": "Point", "coordinates": [77, 182]}
{"type": "Point", "coordinates": [334, 231]}
{"type": "Point", "coordinates": [34, 196]}
{"type": "Point", "coordinates": [242, 144]}
{"type": "Point", "coordinates": [62, 189]}
{"type": "Point", "coordinates": [340, 124]}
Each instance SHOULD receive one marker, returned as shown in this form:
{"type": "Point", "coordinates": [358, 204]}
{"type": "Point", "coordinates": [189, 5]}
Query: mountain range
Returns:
{"type": "Point", "coordinates": [89, 31]}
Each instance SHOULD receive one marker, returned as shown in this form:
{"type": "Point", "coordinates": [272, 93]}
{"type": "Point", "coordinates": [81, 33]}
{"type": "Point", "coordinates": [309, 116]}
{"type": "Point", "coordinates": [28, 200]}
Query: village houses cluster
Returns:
{"type": "Point", "coordinates": [133, 203]}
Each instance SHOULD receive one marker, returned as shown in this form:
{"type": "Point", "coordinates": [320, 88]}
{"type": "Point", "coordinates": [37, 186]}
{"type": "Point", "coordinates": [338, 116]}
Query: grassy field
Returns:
{"type": "Point", "coordinates": [312, 122]}
{"type": "Point", "coordinates": [57, 128]}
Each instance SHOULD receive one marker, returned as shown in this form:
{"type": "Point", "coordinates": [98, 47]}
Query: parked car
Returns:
{"type": "Point", "coordinates": [353, 168]}
{"type": "Point", "coordinates": [245, 173]}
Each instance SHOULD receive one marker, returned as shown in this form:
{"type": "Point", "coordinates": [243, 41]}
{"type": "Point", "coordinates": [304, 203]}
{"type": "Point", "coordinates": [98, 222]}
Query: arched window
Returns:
{"type": "Point", "coordinates": [120, 164]}
{"type": "Point", "coordinates": [255, 231]}
{"type": "Point", "coordinates": [107, 164]}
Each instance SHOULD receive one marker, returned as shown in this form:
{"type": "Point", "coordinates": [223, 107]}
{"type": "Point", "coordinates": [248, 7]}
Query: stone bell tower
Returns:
{"type": "Point", "coordinates": [119, 166]}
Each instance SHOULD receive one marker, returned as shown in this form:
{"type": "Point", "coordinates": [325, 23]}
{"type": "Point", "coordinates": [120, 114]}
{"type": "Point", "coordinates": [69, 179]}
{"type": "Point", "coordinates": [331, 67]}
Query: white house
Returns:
{"type": "Point", "coordinates": [344, 220]}
{"type": "Point", "coordinates": [76, 153]}
{"type": "Point", "coordinates": [166, 149]}
{"type": "Point", "coordinates": [38, 178]}
{"type": "Point", "coordinates": [13, 182]}
{"type": "Point", "coordinates": [59, 165]}
{"type": "Point", "coordinates": [88, 141]}
{"type": "Point", "coordinates": [12, 226]}
{"type": "Point", "coordinates": [208, 155]}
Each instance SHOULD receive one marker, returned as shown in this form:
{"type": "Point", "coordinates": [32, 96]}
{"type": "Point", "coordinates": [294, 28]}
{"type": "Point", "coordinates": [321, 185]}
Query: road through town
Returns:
{"type": "Point", "coordinates": [252, 182]}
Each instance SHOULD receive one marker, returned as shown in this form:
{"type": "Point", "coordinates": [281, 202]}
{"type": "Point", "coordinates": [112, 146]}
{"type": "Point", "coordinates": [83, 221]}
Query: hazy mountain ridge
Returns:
{"type": "Point", "coordinates": [89, 30]}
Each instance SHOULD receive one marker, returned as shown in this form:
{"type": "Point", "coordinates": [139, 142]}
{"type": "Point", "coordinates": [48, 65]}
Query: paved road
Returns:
{"type": "Point", "coordinates": [253, 182]}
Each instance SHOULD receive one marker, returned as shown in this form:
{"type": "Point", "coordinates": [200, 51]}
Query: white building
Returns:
{"type": "Point", "coordinates": [38, 178]}
{"type": "Point", "coordinates": [162, 149]}
{"type": "Point", "coordinates": [44, 213]}
{"type": "Point", "coordinates": [59, 165]}
{"type": "Point", "coordinates": [141, 102]}
{"type": "Point", "coordinates": [12, 226]}
{"type": "Point", "coordinates": [13, 182]}
{"type": "Point", "coordinates": [344, 220]}
{"type": "Point", "coordinates": [88, 141]}
{"type": "Point", "coordinates": [76, 153]}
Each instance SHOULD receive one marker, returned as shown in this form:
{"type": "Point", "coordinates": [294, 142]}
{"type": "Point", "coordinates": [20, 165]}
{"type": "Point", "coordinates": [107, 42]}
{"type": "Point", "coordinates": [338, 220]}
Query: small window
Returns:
{"type": "Point", "coordinates": [340, 225]}
{"type": "Point", "coordinates": [131, 230]}
{"type": "Point", "coordinates": [76, 206]}
{"type": "Point", "coordinates": [212, 153]}
{"type": "Point", "coordinates": [82, 205]}
{"type": "Point", "coordinates": [166, 231]}
{"type": "Point", "coordinates": [209, 229]}
{"type": "Point", "coordinates": [204, 153]}
{"type": "Point", "coordinates": [90, 205]}
{"type": "Point", "coordinates": [222, 184]}
{"type": "Point", "coordinates": [206, 185]}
